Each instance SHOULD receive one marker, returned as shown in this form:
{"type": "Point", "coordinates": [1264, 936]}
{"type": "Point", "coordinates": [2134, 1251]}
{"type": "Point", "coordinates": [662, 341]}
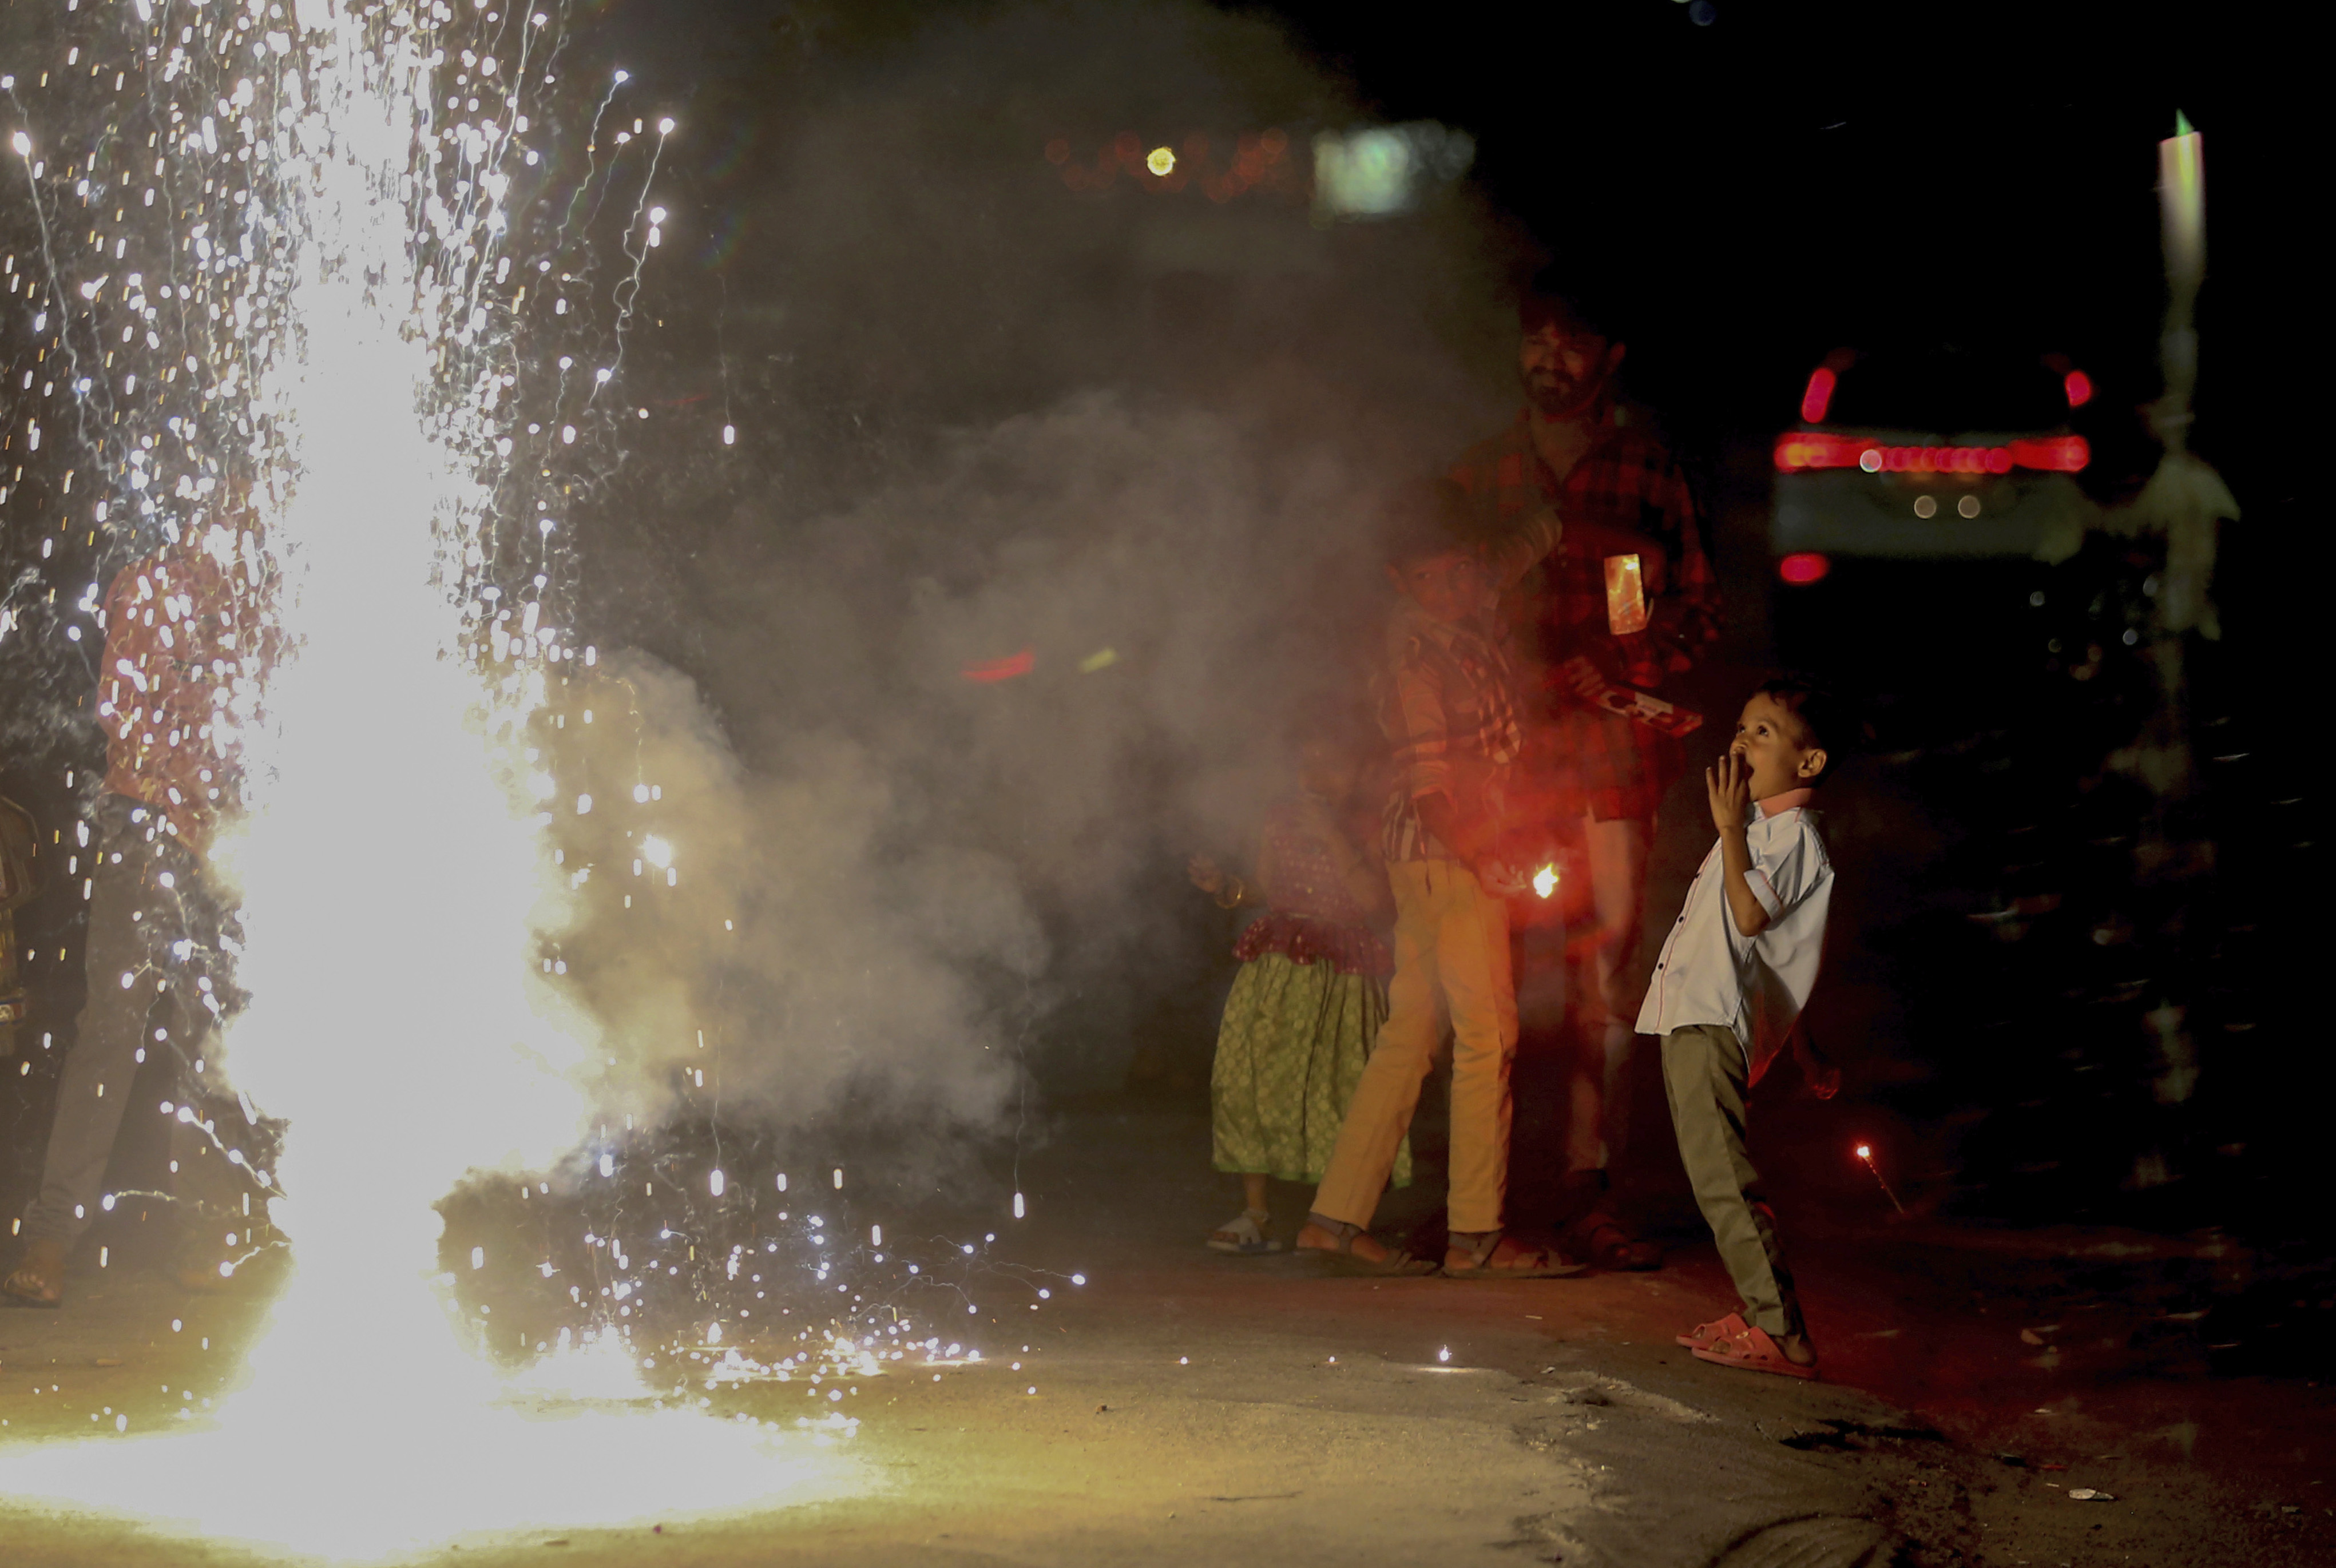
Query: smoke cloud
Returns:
{"type": "Point", "coordinates": [1052, 511]}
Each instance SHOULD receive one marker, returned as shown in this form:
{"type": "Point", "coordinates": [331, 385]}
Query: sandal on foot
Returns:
{"type": "Point", "coordinates": [1755, 1351]}
{"type": "Point", "coordinates": [1718, 1329]}
{"type": "Point", "coordinates": [1341, 1259]}
{"type": "Point", "coordinates": [1532, 1263]}
{"type": "Point", "coordinates": [1600, 1238]}
{"type": "Point", "coordinates": [1243, 1236]}
{"type": "Point", "coordinates": [38, 1279]}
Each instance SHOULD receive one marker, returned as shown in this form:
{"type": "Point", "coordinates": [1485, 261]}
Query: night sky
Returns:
{"type": "Point", "coordinates": [1752, 192]}
{"type": "Point", "coordinates": [1792, 178]}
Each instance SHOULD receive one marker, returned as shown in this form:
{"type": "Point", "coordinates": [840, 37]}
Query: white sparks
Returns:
{"type": "Point", "coordinates": [340, 256]}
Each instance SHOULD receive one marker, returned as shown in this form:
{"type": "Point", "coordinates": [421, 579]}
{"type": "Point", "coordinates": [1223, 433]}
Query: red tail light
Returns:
{"type": "Point", "coordinates": [1801, 448]}
{"type": "Point", "coordinates": [1803, 568]}
{"type": "Point", "coordinates": [1819, 395]}
{"type": "Point", "coordinates": [2079, 387]}
{"type": "Point", "coordinates": [2056, 453]}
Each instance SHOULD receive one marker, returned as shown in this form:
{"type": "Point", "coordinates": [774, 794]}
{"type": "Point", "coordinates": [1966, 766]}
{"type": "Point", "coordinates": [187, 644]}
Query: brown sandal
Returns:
{"type": "Point", "coordinates": [1600, 1238]}
{"type": "Point", "coordinates": [1341, 1259]}
{"type": "Point", "coordinates": [1544, 1265]}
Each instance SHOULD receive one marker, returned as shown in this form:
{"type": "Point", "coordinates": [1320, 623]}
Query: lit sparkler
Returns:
{"type": "Point", "coordinates": [1865, 1154]}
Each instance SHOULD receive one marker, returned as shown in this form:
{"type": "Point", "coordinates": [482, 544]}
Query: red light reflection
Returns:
{"type": "Point", "coordinates": [1819, 395]}
{"type": "Point", "coordinates": [1798, 450]}
{"type": "Point", "coordinates": [2058, 453]}
{"type": "Point", "coordinates": [2079, 388]}
{"type": "Point", "coordinates": [1004, 669]}
{"type": "Point", "coordinates": [1803, 568]}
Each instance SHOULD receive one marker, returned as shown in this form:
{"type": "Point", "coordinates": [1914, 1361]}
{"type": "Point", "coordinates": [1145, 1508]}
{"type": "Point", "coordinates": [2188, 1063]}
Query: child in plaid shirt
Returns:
{"type": "Point", "coordinates": [1450, 713]}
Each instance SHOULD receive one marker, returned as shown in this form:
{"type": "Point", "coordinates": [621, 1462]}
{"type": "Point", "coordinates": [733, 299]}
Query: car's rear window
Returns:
{"type": "Point", "coordinates": [1946, 392]}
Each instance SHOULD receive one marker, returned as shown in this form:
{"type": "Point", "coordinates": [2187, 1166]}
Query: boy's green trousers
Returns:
{"type": "Point", "coordinates": [1705, 1077]}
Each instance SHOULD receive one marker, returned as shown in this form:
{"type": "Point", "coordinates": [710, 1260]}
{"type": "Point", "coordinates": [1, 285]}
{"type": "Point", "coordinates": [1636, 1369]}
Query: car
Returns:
{"type": "Point", "coordinates": [1910, 506]}
{"type": "Point", "coordinates": [1929, 455]}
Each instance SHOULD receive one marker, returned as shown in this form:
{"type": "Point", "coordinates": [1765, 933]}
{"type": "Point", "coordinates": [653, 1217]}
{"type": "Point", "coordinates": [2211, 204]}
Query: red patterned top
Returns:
{"type": "Point", "coordinates": [1309, 914]}
{"type": "Point", "coordinates": [185, 635]}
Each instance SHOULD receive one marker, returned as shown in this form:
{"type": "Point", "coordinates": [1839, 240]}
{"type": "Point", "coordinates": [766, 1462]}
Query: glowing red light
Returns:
{"type": "Point", "coordinates": [1007, 669]}
{"type": "Point", "coordinates": [1819, 395]}
{"type": "Point", "coordinates": [1864, 1150]}
{"type": "Point", "coordinates": [1803, 568]}
{"type": "Point", "coordinates": [2056, 453]}
{"type": "Point", "coordinates": [2079, 388]}
{"type": "Point", "coordinates": [1800, 448]}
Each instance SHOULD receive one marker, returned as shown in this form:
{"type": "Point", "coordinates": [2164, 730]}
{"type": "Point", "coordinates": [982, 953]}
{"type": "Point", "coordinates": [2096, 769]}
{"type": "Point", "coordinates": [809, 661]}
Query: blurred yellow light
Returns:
{"type": "Point", "coordinates": [1161, 161]}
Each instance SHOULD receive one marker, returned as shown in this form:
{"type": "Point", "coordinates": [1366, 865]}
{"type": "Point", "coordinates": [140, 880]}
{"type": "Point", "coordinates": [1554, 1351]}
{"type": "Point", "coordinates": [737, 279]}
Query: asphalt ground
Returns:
{"type": "Point", "coordinates": [1183, 1406]}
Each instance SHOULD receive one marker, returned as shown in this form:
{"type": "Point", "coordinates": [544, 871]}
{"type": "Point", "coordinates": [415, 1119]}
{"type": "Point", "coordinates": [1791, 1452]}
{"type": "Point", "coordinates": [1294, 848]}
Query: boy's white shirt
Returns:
{"type": "Point", "coordinates": [1711, 973]}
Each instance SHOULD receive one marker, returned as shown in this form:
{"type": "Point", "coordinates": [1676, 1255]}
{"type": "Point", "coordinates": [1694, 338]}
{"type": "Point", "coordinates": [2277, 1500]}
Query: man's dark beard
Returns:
{"type": "Point", "coordinates": [1563, 397]}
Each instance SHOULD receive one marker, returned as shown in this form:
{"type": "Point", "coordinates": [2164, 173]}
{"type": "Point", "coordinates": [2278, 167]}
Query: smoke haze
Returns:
{"type": "Point", "coordinates": [1143, 438]}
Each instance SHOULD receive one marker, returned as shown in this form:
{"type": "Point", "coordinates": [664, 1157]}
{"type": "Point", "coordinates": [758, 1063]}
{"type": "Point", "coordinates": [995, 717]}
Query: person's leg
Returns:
{"type": "Point", "coordinates": [1473, 963]}
{"type": "Point", "coordinates": [1472, 960]}
{"type": "Point", "coordinates": [1380, 1112]}
{"type": "Point", "coordinates": [1245, 1231]}
{"type": "Point", "coordinates": [1540, 1078]}
{"type": "Point", "coordinates": [1704, 1078]}
{"type": "Point", "coordinates": [1617, 853]}
{"type": "Point", "coordinates": [216, 1217]}
{"type": "Point", "coordinates": [93, 1090]}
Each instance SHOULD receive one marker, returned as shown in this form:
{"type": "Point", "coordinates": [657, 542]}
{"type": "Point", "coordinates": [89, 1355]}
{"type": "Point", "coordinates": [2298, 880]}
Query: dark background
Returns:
{"type": "Point", "coordinates": [1749, 194]}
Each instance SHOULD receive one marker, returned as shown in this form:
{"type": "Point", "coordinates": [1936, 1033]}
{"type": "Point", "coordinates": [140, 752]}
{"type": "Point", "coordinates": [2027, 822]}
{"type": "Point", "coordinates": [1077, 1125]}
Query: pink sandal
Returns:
{"type": "Point", "coordinates": [1706, 1334]}
{"type": "Point", "coordinates": [1754, 1351]}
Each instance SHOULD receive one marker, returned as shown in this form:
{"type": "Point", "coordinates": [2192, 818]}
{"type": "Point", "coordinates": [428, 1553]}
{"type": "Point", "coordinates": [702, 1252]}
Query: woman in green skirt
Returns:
{"type": "Point", "coordinates": [1305, 1007]}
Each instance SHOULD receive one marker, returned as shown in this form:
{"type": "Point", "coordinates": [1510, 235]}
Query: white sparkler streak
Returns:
{"type": "Point", "coordinates": [629, 288]}
{"type": "Point", "coordinates": [591, 164]}
{"type": "Point", "coordinates": [394, 880]}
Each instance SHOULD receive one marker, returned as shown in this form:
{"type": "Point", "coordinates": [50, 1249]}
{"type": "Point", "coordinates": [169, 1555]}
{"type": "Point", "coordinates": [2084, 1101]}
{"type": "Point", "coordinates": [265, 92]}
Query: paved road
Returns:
{"type": "Point", "coordinates": [1194, 1408]}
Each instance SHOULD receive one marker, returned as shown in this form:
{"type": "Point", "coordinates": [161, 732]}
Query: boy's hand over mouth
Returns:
{"type": "Point", "coordinates": [1728, 784]}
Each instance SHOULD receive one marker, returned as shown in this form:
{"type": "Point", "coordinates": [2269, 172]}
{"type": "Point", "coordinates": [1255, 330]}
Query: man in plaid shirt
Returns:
{"type": "Point", "coordinates": [1575, 448]}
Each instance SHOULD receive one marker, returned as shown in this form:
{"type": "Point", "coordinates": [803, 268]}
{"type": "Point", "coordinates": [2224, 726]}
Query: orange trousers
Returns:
{"type": "Point", "coordinates": [1451, 966]}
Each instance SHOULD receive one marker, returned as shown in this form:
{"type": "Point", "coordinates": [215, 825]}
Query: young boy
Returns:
{"type": "Point", "coordinates": [1450, 714]}
{"type": "Point", "coordinates": [1734, 973]}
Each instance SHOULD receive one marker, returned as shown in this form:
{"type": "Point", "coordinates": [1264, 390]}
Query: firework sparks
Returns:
{"type": "Point", "coordinates": [290, 339]}
{"type": "Point", "coordinates": [1865, 1156]}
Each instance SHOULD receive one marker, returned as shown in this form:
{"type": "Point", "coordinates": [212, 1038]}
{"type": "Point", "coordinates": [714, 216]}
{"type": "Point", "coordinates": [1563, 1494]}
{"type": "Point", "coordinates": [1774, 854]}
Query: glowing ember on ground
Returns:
{"type": "Point", "coordinates": [1865, 1155]}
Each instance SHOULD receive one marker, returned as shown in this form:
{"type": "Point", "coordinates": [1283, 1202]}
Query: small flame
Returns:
{"type": "Point", "coordinates": [1544, 882]}
{"type": "Point", "coordinates": [1866, 1151]}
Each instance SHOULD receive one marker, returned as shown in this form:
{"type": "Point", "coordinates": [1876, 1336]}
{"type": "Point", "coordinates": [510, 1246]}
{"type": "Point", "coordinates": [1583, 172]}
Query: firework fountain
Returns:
{"type": "Point", "coordinates": [284, 290]}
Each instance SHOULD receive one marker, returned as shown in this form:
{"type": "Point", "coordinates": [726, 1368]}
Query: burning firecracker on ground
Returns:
{"type": "Point", "coordinates": [332, 300]}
